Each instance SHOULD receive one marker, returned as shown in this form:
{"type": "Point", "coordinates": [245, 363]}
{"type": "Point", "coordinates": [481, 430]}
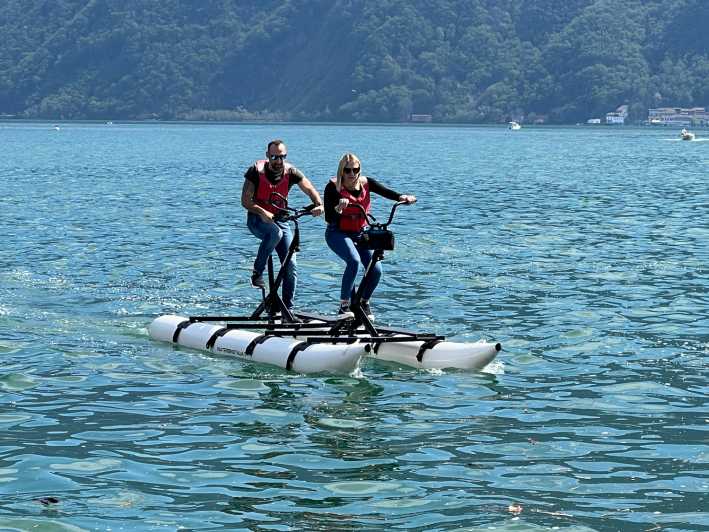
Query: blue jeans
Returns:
{"type": "Point", "coordinates": [278, 236]}
{"type": "Point", "coordinates": [346, 246]}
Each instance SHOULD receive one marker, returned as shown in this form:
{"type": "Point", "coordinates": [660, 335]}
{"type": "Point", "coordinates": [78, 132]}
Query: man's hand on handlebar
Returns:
{"type": "Point", "coordinates": [266, 216]}
{"type": "Point", "coordinates": [406, 198]}
{"type": "Point", "coordinates": [317, 210]}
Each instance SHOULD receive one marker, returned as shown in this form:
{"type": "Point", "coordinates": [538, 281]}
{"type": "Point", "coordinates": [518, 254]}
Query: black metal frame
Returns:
{"type": "Point", "coordinates": [272, 302]}
{"type": "Point", "coordinates": [310, 327]}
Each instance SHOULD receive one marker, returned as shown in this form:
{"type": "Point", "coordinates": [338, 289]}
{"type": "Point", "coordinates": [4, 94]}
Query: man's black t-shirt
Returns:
{"type": "Point", "coordinates": [295, 176]}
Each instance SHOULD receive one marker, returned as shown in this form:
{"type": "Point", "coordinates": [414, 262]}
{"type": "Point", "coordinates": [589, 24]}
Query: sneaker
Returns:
{"type": "Point", "coordinates": [344, 313]}
{"type": "Point", "coordinates": [367, 311]}
{"type": "Point", "coordinates": [257, 280]}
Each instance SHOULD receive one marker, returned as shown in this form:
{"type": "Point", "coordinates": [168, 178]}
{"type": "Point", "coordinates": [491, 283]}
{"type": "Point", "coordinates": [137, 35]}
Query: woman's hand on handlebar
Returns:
{"type": "Point", "coordinates": [342, 205]}
{"type": "Point", "coordinates": [406, 198]}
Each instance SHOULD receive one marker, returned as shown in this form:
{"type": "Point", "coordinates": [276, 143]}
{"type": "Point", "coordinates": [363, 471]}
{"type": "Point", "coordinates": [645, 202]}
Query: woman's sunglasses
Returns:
{"type": "Point", "coordinates": [353, 171]}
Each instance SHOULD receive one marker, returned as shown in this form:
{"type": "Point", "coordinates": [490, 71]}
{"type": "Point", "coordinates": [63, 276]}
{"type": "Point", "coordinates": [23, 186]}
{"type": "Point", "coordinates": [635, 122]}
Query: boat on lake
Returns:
{"type": "Point", "coordinates": [686, 135]}
{"type": "Point", "coordinates": [515, 126]}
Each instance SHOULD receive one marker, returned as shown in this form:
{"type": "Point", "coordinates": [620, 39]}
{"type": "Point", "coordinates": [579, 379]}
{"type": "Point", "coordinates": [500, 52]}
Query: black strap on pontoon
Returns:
{"type": "Point", "coordinates": [297, 349]}
{"type": "Point", "coordinates": [182, 325]}
{"type": "Point", "coordinates": [428, 344]}
{"type": "Point", "coordinates": [258, 340]}
{"type": "Point", "coordinates": [217, 334]}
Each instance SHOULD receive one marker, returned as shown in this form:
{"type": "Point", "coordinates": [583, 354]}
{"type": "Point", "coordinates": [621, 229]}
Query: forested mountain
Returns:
{"type": "Point", "coordinates": [361, 60]}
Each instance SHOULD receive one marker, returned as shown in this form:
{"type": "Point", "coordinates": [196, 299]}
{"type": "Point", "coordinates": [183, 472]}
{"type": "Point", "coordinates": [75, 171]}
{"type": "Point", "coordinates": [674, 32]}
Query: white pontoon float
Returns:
{"type": "Point", "coordinates": [312, 343]}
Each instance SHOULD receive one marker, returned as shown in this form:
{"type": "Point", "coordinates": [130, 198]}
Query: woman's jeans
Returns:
{"type": "Point", "coordinates": [346, 246]}
{"type": "Point", "coordinates": [278, 236]}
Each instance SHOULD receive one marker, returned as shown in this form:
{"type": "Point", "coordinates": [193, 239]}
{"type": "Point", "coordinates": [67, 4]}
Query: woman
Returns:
{"type": "Point", "coordinates": [344, 195]}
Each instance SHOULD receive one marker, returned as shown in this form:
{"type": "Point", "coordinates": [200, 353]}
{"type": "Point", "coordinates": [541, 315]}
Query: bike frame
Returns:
{"type": "Point", "coordinates": [311, 327]}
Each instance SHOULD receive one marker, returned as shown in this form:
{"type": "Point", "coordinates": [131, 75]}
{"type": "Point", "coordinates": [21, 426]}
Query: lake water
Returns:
{"type": "Point", "coordinates": [583, 250]}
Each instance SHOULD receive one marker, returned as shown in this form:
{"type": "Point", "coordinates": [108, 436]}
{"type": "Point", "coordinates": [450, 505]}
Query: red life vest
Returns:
{"type": "Point", "coordinates": [352, 219]}
{"type": "Point", "coordinates": [265, 188]}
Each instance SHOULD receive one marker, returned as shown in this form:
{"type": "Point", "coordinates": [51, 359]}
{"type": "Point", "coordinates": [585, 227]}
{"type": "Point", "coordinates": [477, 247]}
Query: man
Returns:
{"type": "Point", "coordinates": [262, 179]}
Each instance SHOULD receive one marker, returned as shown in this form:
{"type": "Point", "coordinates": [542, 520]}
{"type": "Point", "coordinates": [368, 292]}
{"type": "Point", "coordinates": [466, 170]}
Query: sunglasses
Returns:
{"type": "Point", "coordinates": [353, 171]}
{"type": "Point", "coordinates": [276, 157]}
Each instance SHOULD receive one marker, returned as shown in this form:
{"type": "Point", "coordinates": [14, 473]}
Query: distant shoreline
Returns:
{"type": "Point", "coordinates": [348, 124]}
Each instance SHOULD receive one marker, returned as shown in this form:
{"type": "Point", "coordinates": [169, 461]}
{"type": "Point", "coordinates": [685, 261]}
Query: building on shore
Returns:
{"type": "Point", "coordinates": [421, 118]}
{"type": "Point", "coordinates": [618, 116]}
{"type": "Point", "coordinates": [678, 116]}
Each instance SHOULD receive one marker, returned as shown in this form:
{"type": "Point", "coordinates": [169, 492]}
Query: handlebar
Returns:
{"type": "Point", "coordinates": [284, 216]}
{"type": "Point", "coordinates": [286, 213]}
{"type": "Point", "coordinates": [371, 220]}
{"type": "Point", "coordinates": [393, 209]}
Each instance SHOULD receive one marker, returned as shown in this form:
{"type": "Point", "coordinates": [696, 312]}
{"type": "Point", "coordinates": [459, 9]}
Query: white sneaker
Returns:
{"type": "Point", "coordinates": [344, 313]}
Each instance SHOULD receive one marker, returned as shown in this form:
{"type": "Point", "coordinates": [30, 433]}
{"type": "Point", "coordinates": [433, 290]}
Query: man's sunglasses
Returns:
{"type": "Point", "coordinates": [281, 157]}
{"type": "Point", "coordinates": [354, 171]}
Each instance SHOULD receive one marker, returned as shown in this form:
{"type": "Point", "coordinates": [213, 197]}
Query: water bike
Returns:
{"type": "Point", "coordinates": [306, 342]}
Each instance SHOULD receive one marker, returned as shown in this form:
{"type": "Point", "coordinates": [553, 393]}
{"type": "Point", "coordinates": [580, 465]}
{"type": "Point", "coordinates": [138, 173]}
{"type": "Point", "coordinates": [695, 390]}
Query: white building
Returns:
{"type": "Point", "coordinates": [618, 116]}
{"type": "Point", "coordinates": [678, 116]}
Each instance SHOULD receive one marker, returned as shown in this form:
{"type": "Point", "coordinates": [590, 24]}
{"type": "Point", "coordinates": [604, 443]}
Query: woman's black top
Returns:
{"type": "Point", "coordinates": [332, 198]}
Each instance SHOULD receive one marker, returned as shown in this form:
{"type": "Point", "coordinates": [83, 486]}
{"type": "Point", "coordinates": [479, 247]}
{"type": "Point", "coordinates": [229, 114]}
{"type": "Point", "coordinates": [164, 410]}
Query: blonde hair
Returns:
{"type": "Point", "coordinates": [346, 158]}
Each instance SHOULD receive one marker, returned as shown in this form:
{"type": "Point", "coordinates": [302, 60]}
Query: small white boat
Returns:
{"type": "Point", "coordinates": [515, 126]}
{"type": "Point", "coordinates": [686, 135]}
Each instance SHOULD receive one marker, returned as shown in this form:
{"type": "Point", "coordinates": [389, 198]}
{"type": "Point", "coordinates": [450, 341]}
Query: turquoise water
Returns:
{"type": "Point", "coordinates": [583, 250]}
